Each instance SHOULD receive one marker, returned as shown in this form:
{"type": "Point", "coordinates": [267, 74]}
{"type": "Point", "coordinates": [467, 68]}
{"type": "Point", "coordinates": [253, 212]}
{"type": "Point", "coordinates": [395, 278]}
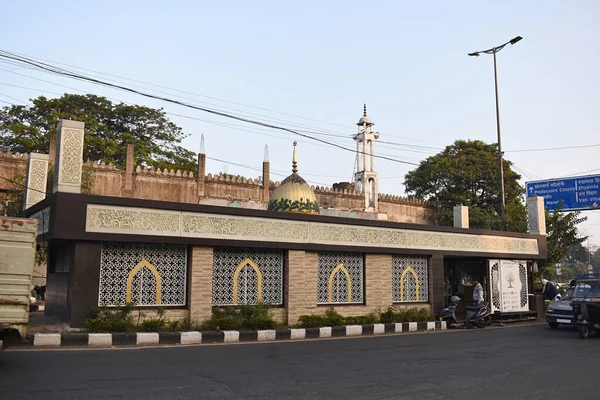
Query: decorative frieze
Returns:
{"type": "Point", "coordinates": [144, 221]}
{"type": "Point", "coordinates": [69, 157]}
{"type": "Point", "coordinates": [37, 176]}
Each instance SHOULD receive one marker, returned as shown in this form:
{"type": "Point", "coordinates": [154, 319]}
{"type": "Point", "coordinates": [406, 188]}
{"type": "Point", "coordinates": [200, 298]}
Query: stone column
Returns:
{"type": "Point", "coordinates": [536, 215]}
{"type": "Point", "coordinates": [436, 283]}
{"type": "Point", "coordinates": [266, 169]}
{"type": "Point", "coordinates": [301, 272]}
{"type": "Point", "coordinates": [69, 156]}
{"type": "Point", "coordinates": [201, 174]}
{"type": "Point", "coordinates": [461, 216]}
{"type": "Point", "coordinates": [200, 286]}
{"type": "Point", "coordinates": [129, 169]}
{"type": "Point", "coordinates": [37, 176]}
{"type": "Point", "coordinates": [378, 281]}
{"type": "Point", "coordinates": [52, 150]}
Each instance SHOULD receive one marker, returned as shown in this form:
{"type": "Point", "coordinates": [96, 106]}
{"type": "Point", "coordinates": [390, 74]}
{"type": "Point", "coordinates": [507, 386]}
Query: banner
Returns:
{"type": "Point", "coordinates": [508, 282]}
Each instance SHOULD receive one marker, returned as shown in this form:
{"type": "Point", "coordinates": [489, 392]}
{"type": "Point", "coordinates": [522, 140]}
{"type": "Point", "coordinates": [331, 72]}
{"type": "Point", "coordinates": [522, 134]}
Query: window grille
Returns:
{"type": "Point", "coordinates": [247, 276]}
{"type": "Point", "coordinates": [145, 274]}
{"type": "Point", "coordinates": [340, 278]}
{"type": "Point", "coordinates": [409, 279]}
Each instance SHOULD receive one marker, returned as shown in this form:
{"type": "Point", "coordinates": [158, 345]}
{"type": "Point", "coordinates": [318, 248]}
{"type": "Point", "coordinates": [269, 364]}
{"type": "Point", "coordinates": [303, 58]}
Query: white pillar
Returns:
{"type": "Point", "coordinates": [461, 216]}
{"type": "Point", "coordinates": [37, 176]}
{"type": "Point", "coordinates": [536, 216]}
{"type": "Point", "coordinates": [360, 155]}
{"type": "Point", "coordinates": [69, 156]}
{"type": "Point", "coordinates": [372, 150]}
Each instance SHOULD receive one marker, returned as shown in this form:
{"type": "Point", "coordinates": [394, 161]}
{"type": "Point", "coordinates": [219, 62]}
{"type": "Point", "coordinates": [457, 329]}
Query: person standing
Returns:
{"type": "Point", "coordinates": [550, 290]}
{"type": "Point", "coordinates": [478, 298]}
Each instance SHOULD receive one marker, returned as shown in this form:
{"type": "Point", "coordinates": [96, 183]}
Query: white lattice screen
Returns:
{"type": "Point", "coordinates": [340, 278]}
{"type": "Point", "coordinates": [409, 279]}
{"type": "Point", "coordinates": [145, 274]}
{"type": "Point", "coordinates": [247, 276]}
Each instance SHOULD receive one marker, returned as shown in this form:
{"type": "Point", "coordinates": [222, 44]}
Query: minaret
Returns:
{"type": "Point", "coordinates": [365, 178]}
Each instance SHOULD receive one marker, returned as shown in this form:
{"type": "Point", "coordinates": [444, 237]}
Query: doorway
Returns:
{"type": "Point", "coordinates": [459, 274]}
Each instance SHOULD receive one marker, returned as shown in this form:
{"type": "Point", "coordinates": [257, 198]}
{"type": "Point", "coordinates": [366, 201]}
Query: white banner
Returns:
{"type": "Point", "coordinates": [508, 282]}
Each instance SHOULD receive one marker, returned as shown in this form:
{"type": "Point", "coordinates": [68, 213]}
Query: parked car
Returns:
{"type": "Point", "coordinates": [561, 312]}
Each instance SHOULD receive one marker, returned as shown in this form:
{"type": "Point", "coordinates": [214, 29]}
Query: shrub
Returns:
{"type": "Point", "coordinates": [312, 321]}
{"type": "Point", "coordinates": [361, 319]}
{"type": "Point", "coordinates": [392, 314]}
{"type": "Point", "coordinates": [333, 318]}
{"type": "Point", "coordinates": [111, 319]}
{"type": "Point", "coordinates": [250, 317]}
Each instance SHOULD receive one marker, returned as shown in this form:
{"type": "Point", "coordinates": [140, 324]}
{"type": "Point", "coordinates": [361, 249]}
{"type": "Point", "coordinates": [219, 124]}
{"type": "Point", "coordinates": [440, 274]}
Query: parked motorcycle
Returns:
{"type": "Point", "coordinates": [476, 316]}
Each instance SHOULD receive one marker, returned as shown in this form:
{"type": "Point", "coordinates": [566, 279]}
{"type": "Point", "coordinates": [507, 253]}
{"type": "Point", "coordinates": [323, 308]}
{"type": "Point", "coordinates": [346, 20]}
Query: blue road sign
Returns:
{"type": "Point", "coordinates": [577, 193]}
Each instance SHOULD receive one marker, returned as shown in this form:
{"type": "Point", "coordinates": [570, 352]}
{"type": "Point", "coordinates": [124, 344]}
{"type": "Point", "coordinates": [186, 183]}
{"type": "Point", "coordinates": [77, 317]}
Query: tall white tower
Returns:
{"type": "Point", "coordinates": [365, 178]}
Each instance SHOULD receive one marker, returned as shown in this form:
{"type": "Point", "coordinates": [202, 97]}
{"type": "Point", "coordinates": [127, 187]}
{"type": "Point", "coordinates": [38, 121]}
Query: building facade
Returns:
{"type": "Point", "coordinates": [293, 254]}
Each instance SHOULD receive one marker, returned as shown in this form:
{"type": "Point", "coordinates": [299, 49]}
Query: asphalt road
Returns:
{"type": "Point", "coordinates": [530, 362]}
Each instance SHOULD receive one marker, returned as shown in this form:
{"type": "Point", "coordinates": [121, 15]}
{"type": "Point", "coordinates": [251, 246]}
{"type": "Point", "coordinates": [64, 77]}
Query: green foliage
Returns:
{"type": "Point", "coordinates": [393, 314]}
{"type": "Point", "coordinates": [87, 179]}
{"type": "Point", "coordinates": [562, 234]}
{"type": "Point", "coordinates": [466, 173]}
{"type": "Point", "coordinates": [116, 319]}
{"type": "Point", "coordinates": [108, 129]}
{"type": "Point", "coordinates": [120, 319]}
{"type": "Point", "coordinates": [244, 317]}
{"type": "Point", "coordinates": [301, 205]}
{"type": "Point", "coordinates": [332, 318]}
{"type": "Point", "coordinates": [155, 324]}
{"type": "Point", "coordinates": [15, 196]}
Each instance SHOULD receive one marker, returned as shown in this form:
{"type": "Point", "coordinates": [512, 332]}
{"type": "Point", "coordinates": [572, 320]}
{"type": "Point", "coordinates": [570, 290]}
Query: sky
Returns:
{"type": "Point", "coordinates": [311, 65]}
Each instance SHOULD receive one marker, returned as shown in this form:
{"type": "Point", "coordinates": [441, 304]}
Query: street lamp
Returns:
{"type": "Point", "coordinates": [493, 51]}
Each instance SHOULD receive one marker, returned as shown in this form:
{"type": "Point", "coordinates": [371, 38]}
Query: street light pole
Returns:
{"type": "Point", "coordinates": [502, 196]}
{"type": "Point", "coordinates": [502, 201]}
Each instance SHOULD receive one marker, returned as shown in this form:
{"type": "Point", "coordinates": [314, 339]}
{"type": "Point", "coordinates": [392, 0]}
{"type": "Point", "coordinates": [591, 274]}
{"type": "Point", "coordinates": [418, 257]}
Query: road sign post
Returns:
{"type": "Point", "coordinates": [576, 193]}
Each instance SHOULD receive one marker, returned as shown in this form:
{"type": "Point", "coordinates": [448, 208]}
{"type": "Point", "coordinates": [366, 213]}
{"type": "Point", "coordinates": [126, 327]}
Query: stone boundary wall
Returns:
{"type": "Point", "coordinates": [177, 186]}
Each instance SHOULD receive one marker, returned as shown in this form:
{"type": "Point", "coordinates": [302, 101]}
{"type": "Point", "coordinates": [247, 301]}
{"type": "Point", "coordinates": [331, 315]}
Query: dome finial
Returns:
{"type": "Point", "coordinates": [294, 161]}
{"type": "Point", "coordinates": [365, 110]}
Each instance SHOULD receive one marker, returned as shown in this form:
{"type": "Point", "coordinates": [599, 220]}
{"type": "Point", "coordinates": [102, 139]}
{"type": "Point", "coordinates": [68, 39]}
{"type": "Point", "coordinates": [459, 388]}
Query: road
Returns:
{"type": "Point", "coordinates": [529, 362]}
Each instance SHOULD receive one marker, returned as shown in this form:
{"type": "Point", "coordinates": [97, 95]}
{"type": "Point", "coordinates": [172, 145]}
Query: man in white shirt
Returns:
{"type": "Point", "coordinates": [477, 293]}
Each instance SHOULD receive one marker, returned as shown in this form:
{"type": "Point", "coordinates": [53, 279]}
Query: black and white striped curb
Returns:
{"type": "Point", "coordinates": [195, 337]}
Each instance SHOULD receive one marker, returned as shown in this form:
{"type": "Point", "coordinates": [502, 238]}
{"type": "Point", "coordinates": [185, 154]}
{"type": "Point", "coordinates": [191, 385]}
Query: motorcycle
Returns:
{"type": "Point", "coordinates": [476, 316]}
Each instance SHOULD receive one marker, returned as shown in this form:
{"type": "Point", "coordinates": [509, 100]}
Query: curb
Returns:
{"type": "Point", "coordinates": [49, 340]}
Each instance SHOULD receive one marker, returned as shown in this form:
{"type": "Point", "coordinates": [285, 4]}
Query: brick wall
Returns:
{"type": "Point", "coordinates": [177, 186]}
{"type": "Point", "coordinates": [200, 284]}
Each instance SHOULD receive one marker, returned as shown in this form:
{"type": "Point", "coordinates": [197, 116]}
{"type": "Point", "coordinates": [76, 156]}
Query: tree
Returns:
{"type": "Point", "coordinates": [562, 234]}
{"type": "Point", "coordinates": [108, 129]}
{"type": "Point", "coordinates": [466, 173]}
{"type": "Point", "coordinates": [576, 253]}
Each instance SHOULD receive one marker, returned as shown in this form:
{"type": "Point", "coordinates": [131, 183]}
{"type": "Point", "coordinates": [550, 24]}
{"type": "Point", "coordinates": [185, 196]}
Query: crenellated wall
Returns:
{"type": "Point", "coordinates": [12, 167]}
{"type": "Point", "coordinates": [232, 188]}
{"type": "Point", "coordinates": [219, 189]}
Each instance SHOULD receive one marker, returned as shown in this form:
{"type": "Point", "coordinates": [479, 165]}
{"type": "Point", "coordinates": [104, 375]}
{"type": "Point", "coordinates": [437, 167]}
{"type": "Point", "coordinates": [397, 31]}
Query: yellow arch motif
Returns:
{"type": "Point", "coordinates": [236, 275]}
{"type": "Point", "coordinates": [412, 271]}
{"type": "Point", "coordinates": [348, 279]}
{"type": "Point", "coordinates": [137, 269]}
